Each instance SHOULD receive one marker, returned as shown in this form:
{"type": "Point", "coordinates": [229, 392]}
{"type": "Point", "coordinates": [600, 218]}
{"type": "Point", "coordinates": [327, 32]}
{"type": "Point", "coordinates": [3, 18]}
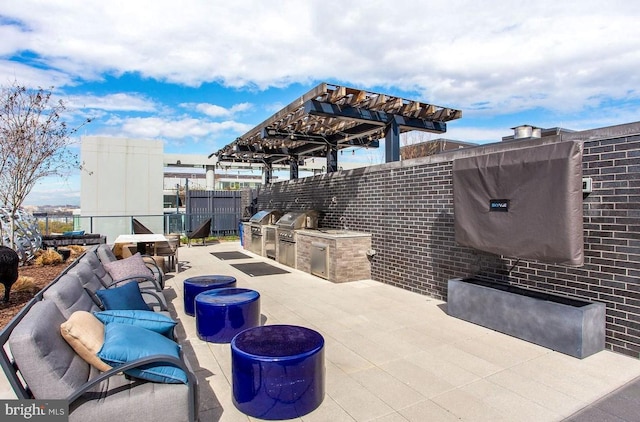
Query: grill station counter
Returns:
{"type": "Point", "coordinates": [286, 228]}
{"type": "Point", "coordinates": [260, 222]}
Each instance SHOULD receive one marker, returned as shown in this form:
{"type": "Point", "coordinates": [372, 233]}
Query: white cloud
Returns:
{"type": "Point", "coordinates": [504, 56]}
{"type": "Point", "coordinates": [155, 127]}
{"type": "Point", "coordinates": [213, 110]}
{"type": "Point", "coordinates": [113, 102]}
{"type": "Point", "coordinates": [33, 77]}
{"type": "Point", "coordinates": [55, 191]}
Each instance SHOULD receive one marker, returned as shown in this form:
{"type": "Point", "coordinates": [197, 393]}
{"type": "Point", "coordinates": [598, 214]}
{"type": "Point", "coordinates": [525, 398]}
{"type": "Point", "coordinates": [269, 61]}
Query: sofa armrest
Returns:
{"type": "Point", "coordinates": [155, 269]}
{"type": "Point", "coordinates": [192, 382]}
{"type": "Point", "coordinates": [138, 278]}
{"type": "Point", "coordinates": [160, 304]}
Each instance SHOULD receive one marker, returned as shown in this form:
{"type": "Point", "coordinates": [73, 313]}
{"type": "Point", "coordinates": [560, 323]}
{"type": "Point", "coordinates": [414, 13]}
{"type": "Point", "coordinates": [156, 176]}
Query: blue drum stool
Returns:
{"type": "Point", "coordinates": [223, 313]}
{"type": "Point", "coordinates": [277, 371]}
{"type": "Point", "coordinates": [195, 285]}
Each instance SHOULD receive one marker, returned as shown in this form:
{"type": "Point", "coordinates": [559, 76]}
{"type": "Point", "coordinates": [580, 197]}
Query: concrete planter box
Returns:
{"type": "Point", "coordinates": [567, 325]}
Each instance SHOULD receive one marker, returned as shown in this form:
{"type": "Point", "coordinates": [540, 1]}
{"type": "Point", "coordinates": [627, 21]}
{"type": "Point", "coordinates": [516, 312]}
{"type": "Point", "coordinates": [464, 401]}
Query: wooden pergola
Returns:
{"type": "Point", "coordinates": [330, 118]}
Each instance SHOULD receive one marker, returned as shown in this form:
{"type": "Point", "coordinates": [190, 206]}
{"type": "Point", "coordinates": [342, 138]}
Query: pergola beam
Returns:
{"type": "Point", "coordinates": [318, 108]}
{"type": "Point", "coordinates": [330, 118]}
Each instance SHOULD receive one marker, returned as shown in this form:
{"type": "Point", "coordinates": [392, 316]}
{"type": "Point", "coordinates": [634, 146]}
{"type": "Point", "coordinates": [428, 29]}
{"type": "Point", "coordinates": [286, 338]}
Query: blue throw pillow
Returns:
{"type": "Point", "coordinates": [126, 296]}
{"type": "Point", "coordinates": [146, 319]}
{"type": "Point", "coordinates": [126, 343]}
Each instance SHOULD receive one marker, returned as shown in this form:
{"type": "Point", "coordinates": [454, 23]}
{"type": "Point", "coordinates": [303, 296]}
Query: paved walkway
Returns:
{"type": "Point", "coordinates": [392, 355]}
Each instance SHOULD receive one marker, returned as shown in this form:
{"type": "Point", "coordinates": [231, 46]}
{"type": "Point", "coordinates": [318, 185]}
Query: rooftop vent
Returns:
{"type": "Point", "coordinates": [526, 131]}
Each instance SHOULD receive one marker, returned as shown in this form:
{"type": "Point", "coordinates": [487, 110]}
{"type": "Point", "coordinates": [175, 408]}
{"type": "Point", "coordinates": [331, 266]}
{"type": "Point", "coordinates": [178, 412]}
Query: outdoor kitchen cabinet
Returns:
{"type": "Point", "coordinates": [320, 259]}
{"type": "Point", "coordinates": [336, 255]}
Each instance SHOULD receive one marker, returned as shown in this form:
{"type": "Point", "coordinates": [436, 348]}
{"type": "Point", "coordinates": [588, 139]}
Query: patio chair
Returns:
{"type": "Point", "coordinates": [168, 249]}
{"type": "Point", "coordinates": [201, 232]}
{"type": "Point", "coordinates": [139, 228]}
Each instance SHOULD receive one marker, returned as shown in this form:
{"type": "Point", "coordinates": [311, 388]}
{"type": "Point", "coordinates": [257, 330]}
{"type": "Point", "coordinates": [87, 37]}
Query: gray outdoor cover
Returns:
{"type": "Point", "coordinates": [524, 203]}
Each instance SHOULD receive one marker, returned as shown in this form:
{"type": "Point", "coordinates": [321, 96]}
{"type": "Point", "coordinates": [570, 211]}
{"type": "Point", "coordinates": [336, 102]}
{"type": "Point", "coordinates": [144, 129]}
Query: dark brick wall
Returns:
{"type": "Point", "coordinates": [408, 208]}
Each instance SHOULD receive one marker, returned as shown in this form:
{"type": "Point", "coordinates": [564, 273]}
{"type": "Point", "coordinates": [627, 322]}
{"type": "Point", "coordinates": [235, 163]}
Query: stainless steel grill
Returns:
{"type": "Point", "coordinates": [286, 228]}
{"type": "Point", "coordinates": [258, 222]}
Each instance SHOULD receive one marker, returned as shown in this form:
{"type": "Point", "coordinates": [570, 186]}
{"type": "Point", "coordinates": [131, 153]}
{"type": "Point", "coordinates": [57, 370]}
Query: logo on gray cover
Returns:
{"type": "Point", "coordinates": [500, 205]}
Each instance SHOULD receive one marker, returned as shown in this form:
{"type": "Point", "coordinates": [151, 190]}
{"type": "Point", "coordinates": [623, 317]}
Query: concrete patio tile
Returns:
{"type": "Point", "coordinates": [212, 391]}
{"type": "Point", "coordinates": [223, 394]}
{"type": "Point", "coordinates": [393, 417]}
{"type": "Point", "coordinates": [343, 357]}
{"type": "Point", "coordinates": [353, 321]}
{"type": "Point", "coordinates": [574, 381]}
{"type": "Point", "coordinates": [336, 379]}
{"type": "Point", "coordinates": [463, 330]}
{"type": "Point", "coordinates": [329, 410]}
{"type": "Point", "coordinates": [539, 393]}
{"type": "Point", "coordinates": [467, 407]}
{"type": "Point", "coordinates": [222, 355]}
{"type": "Point", "coordinates": [523, 349]}
{"type": "Point", "coordinates": [472, 363]}
{"type": "Point", "coordinates": [427, 410]}
{"type": "Point", "coordinates": [433, 362]}
{"type": "Point", "coordinates": [437, 333]}
{"type": "Point", "coordinates": [417, 338]}
{"type": "Point", "coordinates": [390, 390]}
{"type": "Point", "coordinates": [419, 379]}
{"type": "Point", "coordinates": [515, 406]}
{"type": "Point", "coordinates": [220, 415]}
{"type": "Point", "coordinates": [374, 352]}
{"type": "Point", "coordinates": [497, 353]}
{"type": "Point", "coordinates": [396, 356]}
{"type": "Point", "coordinates": [199, 354]}
{"type": "Point", "coordinates": [360, 403]}
{"type": "Point", "coordinates": [332, 328]}
{"type": "Point", "coordinates": [390, 318]}
{"type": "Point", "coordinates": [611, 366]}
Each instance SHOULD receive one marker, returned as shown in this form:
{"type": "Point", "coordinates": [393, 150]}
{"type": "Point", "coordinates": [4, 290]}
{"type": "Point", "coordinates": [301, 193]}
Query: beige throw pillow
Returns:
{"type": "Point", "coordinates": [85, 334]}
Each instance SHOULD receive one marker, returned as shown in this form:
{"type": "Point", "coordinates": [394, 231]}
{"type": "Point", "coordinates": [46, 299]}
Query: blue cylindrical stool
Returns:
{"type": "Point", "coordinates": [195, 285]}
{"type": "Point", "coordinates": [223, 313]}
{"type": "Point", "coordinates": [277, 371]}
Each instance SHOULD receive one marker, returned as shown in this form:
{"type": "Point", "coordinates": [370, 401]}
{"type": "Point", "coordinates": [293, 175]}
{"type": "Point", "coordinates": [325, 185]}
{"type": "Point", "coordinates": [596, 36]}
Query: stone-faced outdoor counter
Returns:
{"type": "Point", "coordinates": [347, 253]}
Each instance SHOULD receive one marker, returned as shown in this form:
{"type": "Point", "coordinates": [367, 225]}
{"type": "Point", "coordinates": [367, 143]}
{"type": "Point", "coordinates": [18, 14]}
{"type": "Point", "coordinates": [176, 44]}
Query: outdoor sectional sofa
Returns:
{"type": "Point", "coordinates": [139, 373]}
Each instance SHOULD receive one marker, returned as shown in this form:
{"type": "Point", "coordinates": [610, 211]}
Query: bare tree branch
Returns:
{"type": "Point", "coordinates": [33, 142]}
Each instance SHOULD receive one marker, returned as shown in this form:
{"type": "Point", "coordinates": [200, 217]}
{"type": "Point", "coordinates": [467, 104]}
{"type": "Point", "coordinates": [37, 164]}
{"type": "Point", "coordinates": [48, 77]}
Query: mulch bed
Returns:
{"type": "Point", "coordinates": [42, 276]}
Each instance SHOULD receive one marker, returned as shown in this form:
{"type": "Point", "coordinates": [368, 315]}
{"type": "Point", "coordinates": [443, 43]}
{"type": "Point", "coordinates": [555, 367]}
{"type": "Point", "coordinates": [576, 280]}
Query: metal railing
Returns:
{"type": "Point", "coordinates": [222, 224]}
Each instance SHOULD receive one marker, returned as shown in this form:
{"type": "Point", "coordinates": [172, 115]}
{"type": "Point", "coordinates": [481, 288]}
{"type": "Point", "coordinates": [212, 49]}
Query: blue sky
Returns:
{"type": "Point", "coordinates": [199, 73]}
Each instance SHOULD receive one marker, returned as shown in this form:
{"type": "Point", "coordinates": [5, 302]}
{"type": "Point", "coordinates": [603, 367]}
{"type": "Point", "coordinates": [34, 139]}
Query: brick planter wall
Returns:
{"type": "Point", "coordinates": [407, 206]}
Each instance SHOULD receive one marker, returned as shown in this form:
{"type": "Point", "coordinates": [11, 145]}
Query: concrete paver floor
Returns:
{"type": "Point", "coordinates": [393, 355]}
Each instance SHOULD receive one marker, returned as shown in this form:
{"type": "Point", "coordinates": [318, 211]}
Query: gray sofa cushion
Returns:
{"type": "Point", "coordinates": [132, 400]}
{"type": "Point", "coordinates": [90, 258]}
{"type": "Point", "coordinates": [69, 296]}
{"type": "Point", "coordinates": [48, 364]}
{"type": "Point", "coordinates": [87, 276]}
{"type": "Point", "coordinates": [52, 370]}
{"type": "Point", "coordinates": [105, 254]}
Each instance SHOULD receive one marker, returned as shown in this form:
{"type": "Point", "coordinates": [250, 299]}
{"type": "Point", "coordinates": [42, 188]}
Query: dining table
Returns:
{"type": "Point", "coordinates": [142, 241]}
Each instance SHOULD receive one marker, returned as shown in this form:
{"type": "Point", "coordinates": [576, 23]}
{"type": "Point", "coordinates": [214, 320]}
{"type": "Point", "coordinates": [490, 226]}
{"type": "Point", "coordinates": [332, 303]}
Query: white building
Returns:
{"type": "Point", "coordinates": [124, 177]}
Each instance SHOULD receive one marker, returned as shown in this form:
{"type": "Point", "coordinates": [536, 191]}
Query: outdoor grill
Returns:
{"type": "Point", "coordinates": [286, 228]}
{"type": "Point", "coordinates": [259, 223]}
